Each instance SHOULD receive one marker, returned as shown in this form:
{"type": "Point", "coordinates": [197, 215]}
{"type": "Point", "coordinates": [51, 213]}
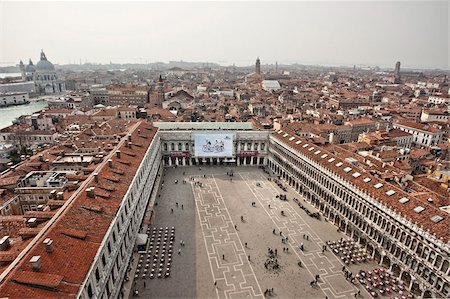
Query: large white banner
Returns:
{"type": "Point", "coordinates": [213, 145]}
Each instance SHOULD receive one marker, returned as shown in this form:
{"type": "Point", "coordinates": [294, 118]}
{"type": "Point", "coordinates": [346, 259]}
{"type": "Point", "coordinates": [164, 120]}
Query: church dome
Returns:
{"type": "Point", "coordinates": [44, 64]}
{"type": "Point", "coordinates": [30, 68]}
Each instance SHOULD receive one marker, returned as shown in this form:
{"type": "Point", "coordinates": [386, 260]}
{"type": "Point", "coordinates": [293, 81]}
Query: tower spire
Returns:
{"type": "Point", "coordinates": [258, 66]}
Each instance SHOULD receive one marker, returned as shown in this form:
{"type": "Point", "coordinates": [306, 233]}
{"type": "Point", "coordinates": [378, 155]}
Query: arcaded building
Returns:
{"type": "Point", "coordinates": [85, 248]}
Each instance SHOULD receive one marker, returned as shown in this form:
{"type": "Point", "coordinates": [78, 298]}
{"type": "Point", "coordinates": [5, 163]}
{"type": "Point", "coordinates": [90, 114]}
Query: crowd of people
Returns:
{"type": "Point", "coordinates": [271, 262]}
{"type": "Point", "coordinates": [308, 212]}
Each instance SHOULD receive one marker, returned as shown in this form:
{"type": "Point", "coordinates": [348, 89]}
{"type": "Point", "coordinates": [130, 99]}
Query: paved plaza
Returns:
{"type": "Point", "coordinates": [227, 238]}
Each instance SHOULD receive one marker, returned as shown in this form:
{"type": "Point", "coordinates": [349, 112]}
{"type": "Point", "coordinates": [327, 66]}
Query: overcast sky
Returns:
{"type": "Point", "coordinates": [333, 33]}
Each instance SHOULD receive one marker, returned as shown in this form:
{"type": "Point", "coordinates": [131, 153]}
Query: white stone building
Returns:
{"type": "Point", "coordinates": [423, 134]}
{"type": "Point", "coordinates": [14, 98]}
{"type": "Point", "coordinates": [43, 75]}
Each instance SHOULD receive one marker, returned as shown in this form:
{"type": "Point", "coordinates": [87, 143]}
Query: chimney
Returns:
{"type": "Point", "coordinates": [4, 243]}
{"type": "Point", "coordinates": [41, 158]}
{"type": "Point", "coordinates": [129, 137]}
{"type": "Point", "coordinates": [127, 144]}
{"type": "Point", "coordinates": [60, 195]}
{"type": "Point", "coordinates": [35, 262]}
{"type": "Point", "coordinates": [110, 164]}
{"type": "Point", "coordinates": [96, 177]}
{"type": "Point", "coordinates": [53, 194]}
{"type": "Point", "coordinates": [32, 222]}
{"type": "Point", "coordinates": [139, 131]}
{"type": "Point", "coordinates": [118, 154]}
{"type": "Point", "coordinates": [48, 245]}
{"type": "Point", "coordinates": [130, 144]}
{"type": "Point", "coordinates": [91, 192]}
{"type": "Point", "coordinates": [82, 144]}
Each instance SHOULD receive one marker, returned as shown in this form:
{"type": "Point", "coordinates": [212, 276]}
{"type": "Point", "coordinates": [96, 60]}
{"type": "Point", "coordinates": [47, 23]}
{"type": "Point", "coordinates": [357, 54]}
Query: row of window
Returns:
{"type": "Point", "coordinates": [368, 213]}
{"type": "Point", "coordinates": [250, 146]}
{"type": "Point", "coordinates": [126, 227]}
{"type": "Point", "coordinates": [18, 137]}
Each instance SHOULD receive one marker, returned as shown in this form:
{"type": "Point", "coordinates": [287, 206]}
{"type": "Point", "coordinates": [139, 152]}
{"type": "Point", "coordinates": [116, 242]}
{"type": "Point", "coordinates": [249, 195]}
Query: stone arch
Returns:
{"type": "Point", "coordinates": [396, 269]}
{"type": "Point", "coordinates": [386, 262]}
{"type": "Point", "coordinates": [377, 256]}
{"type": "Point", "coordinates": [445, 266]}
{"type": "Point", "coordinates": [427, 294]}
{"type": "Point", "coordinates": [406, 277]}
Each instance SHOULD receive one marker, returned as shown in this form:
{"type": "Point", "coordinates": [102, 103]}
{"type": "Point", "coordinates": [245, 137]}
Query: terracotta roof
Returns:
{"type": "Point", "coordinates": [38, 279]}
{"type": "Point", "coordinates": [376, 188]}
{"type": "Point", "coordinates": [419, 126]}
{"type": "Point", "coordinates": [67, 260]}
{"type": "Point", "coordinates": [8, 181]}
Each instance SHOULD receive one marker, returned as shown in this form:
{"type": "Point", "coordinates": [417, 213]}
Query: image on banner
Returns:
{"type": "Point", "coordinates": [213, 145]}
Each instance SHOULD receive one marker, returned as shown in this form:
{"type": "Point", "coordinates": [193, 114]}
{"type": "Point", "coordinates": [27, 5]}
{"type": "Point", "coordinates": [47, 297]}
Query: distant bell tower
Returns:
{"type": "Point", "coordinates": [258, 66]}
{"type": "Point", "coordinates": [22, 70]}
{"type": "Point", "coordinates": [159, 92]}
{"type": "Point", "coordinates": [397, 73]}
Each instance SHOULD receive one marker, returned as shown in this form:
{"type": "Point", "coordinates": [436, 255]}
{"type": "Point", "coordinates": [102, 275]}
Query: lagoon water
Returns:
{"type": "Point", "coordinates": [8, 114]}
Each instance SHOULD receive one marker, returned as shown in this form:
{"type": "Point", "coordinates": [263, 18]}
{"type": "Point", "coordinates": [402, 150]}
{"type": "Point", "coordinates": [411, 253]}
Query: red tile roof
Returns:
{"type": "Point", "coordinates": [67, 260]}
{"type": "Point", "coordinates": [423, 218]}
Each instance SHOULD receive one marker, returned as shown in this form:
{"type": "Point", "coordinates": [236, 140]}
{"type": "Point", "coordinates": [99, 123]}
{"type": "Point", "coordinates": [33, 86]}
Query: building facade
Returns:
{"type": "Point", "coordinates": [106, 213]}
{"type": "Point", "coordinates": [43, 75]}
{"type": "Point", "coordinates": [396, 242]}
{"type": "Point", "coordinates": [424, 135]}
{"type": "Point", "coordinates": [10, 99]}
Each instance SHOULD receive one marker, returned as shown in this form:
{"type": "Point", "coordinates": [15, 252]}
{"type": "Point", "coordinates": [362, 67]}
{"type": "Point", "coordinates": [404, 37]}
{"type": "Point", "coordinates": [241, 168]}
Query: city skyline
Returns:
{"type": "Point", "coordinates": [321, 33]}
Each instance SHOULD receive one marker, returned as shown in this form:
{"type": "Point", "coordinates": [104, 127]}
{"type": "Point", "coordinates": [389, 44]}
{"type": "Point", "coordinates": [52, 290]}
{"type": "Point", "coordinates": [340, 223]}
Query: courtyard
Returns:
{"type": "Point", "coordinates": [228, 224]}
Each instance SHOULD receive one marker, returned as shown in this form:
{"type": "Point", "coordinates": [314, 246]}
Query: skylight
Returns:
{"type": "Point", "coordinates": [331, 160]}
{"type": "Point", "coordinates": [378, 186]}
{"type": "Point", "coordinates": [280, 131]}
{"type": "Point", "coordinates": [298, 142]}
{"type": "Point", "coordinates": [356, 174]}
{"type": "Point", "coordinates": [390, 192]}
{"type": "Point", "coordinates": [403, 200]}
{"type": "Point", "coordinates": [317, 152]}
{"type": "Point", "coordinates": [324, 156]}
{"type": "Point", "coordinates": [366, 180]}
{"type": "Point", "coordinates": [285, 135]}
{"type": "Point", "coordinates": [305, 145]}
{"type": "Point", "coordinates": [347, 169]}
{"type": "Point", "coordinates": [311, 148]}
{"type": "Point", "coordinates": [292, 138]}
{"type": "Point", "coordinates": [436, 218]}
{"type": "Point", "coordinates": [339, 164]}
{"type": "Point", "coordinates": [419, 209]}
